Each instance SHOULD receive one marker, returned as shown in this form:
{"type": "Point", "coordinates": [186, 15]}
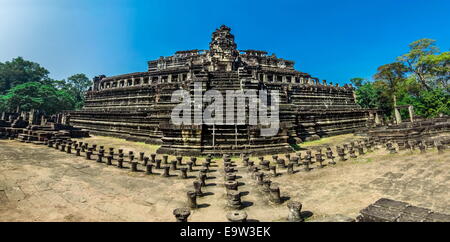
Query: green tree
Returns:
{"type": "Point", "coordinates": [19, 71]}
{"type": "Point", "coordinates": [76, 85]}
{"type": "Point", "coordinates": [429, 103]}
{"type": "Point", "coordinates": [39, 96]}
{"type": "Point", "coordinates": [439, 69]}
{"type": "Point", "coordinates": [424, 62]}
{"type": "Point", "coordinates": [388, 79]}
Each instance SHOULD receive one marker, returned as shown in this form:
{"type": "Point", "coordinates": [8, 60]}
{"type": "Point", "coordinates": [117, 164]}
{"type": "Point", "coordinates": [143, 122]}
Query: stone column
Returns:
{"type": "Point", "coordinates": [158, 163]}
{"type": "Point", "coordinates": [193, 160]}
{"type": "Point", "coordinates": [148, 170]}
{"type": "Point", "coordinates": [290, 168]}
{"type": "Point", "coordinates": [145, 160]}
{"type": "Point", "coordinates": [173, 165]}
{"type": "Point", "coordinates": [274, 170]}
{"type": "Point", "coordinates": [377, 119]}
{"type": "Point", "coordinates": [165, 159]}
{"type": "Point", "coordinates": [120, 163]}
{"type": "Point", "coordinates": [234, 199]}
{"type": "Point", "coordinates": [183, 171]}
{"type": "Point", "coordinates": [281, 163]}
{"type": "Point", "coordinates": [166, 171]}
{"type": "Point", "coordinates": [398, 117]}
{"type": "Point", "coordinates": [88, 155]}
{"type": "Point", "coordinates": [99, 158]}
{"type": "Point", "coordinates": [275, 194]}
{"type": "Point", "coordinates": [192, 199]}
{"type": "Point", "coordinates": [231, 185]}
{"type": "Point", "coordinates": [181, 214]}
{"type": "Point", "coordinates": [134, 166]}
{"type": "Point", "coordinates": [411, 113]}
{"type": "Point", "coordinates": [294, 211]}
{"type": "Point", "coordinates": [198, 188]}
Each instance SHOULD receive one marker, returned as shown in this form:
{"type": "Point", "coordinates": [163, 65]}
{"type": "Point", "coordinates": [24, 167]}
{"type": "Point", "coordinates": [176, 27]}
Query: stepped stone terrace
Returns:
{"type": "Point", "coordinates": [137, 106]}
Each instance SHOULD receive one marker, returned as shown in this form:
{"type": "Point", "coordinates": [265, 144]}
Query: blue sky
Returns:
{"type": "Point", "coordinates": [332, 40]}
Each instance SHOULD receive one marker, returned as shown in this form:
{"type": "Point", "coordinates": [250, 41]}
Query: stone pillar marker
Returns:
{"type": "Point", "coordinates": [182, 214]}
{"type": "Point", "coordinates": [158, 163]}
{"type": "Point", "coordinates": [306, 164]}
{"type": "Point", "coordinates": [179, 160]}
{"type": "Point", "coordinates": [166, 171]}
{"type": "Point", "coordinates": [274, 170]}
{"type": "Point", "coordinates": [411, 113]}
{"type": "Point", "coordinates": [198, 188]}
{"type": "Point", "coordinates": [281, 163]}
{"type": "Point", "coordinates": [275, 194]}
{"type": "Point", "coordinates": [134, 166]}
{"type": "Point", "coordinates": [173, 165]}
{"type": "Point", "coordinates": [320, 160]}
{"type": "Point", "coordinates": [148, 170]}
{"type": "Point", "coordinates": [290, 168]}
{"type": "Point", "coordinates": [192, 199]}
{"type": "Point", "coordinates": [193, 160]}
{"type": "Point", "coordinates": [231, 185]}
{"type": "Point", "coordinates": [78, 151]}
{"type": "Point", "coordinates": [183, 171]}
{"type": "Point", "coordinates": [120, 163]}
{"type": "Point", "coordinates": [234, 199]}
{"type": "Point", "coordinates": [99, 158]}
{"type": "Point", "coordinates": [398, 117]}
{"type": "Point", "coordinates": [265, 164]}
{"type": "Point", "coordinates": [259, 176]}
{"type": "Point", "coordinates": [88, 155]}
{"type": "Point", "coordinates": [145, 161]}
{"type": "Point", "coordinates": [294, 211]}
{"type": "Point", "coordinates": [230, 177]}
{"type": "Point", "coordinates": [190, 164]}
{"type": "Point", "coordinates": [202, 178]}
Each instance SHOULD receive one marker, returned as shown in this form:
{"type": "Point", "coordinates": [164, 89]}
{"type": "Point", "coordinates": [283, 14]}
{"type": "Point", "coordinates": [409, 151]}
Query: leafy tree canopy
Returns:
{"type": "Point", "coordinates": [38, 96]}
{"type": "Point", "coordinates": [19, 71]}
{"type": "Point", "coordinates": [425, 63]}
{"type": "Point", "coordinates": [419, 78]}
{"type": "Point", "coordinates": [25, 85]}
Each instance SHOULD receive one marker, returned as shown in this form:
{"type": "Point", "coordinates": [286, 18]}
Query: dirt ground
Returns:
{"type": "Point", "coordinates": [38, 183]}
